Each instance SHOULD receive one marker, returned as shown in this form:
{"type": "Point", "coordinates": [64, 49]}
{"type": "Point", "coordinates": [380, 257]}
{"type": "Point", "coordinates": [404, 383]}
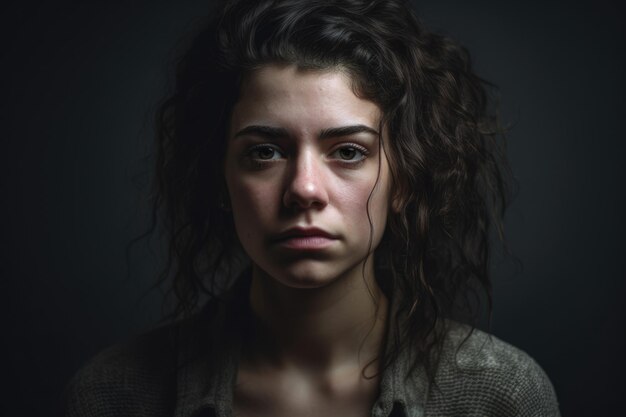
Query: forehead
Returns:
{"type": "Point", "coordinates": [273, 76]}
{"type": "Point", "coordinates": [286, 94]}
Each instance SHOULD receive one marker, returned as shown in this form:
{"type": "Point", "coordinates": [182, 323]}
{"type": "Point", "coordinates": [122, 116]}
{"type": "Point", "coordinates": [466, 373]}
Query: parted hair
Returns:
{"type": "Point", "coordinates": [444, 145]}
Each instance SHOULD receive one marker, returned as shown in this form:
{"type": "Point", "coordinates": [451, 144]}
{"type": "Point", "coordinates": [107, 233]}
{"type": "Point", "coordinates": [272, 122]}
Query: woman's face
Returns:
{"type": "Point", "coordinates": [302, 165]}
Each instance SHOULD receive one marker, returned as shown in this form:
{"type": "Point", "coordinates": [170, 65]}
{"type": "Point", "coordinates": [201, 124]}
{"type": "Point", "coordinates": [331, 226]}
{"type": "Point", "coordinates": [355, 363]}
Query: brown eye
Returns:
{"type": "Point", "coordinates": [264, 153]}
{"type": "Point", "coordinates": [347, 153]}
{"type": "Point", "coordinates": [350, 153]}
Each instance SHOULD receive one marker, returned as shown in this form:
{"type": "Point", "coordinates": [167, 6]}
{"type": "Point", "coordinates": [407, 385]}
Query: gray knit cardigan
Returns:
{"type": "Point", "coordinates": [189, 369]}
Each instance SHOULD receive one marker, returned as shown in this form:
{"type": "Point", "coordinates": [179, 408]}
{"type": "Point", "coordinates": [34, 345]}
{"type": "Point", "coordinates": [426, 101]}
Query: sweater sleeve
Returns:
{"type": "Point", "coordinates": [532, 393]}
{"type": "Point", "coordinates": [132, 379]}
{"type": "Point", "coordinates": [480, 375]}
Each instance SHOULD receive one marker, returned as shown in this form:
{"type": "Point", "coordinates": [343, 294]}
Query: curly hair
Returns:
{"type": "Point", "coordinates": [446, 159]}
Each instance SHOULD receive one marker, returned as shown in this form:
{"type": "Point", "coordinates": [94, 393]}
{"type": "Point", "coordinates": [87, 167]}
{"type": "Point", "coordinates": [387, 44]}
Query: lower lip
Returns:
{"type": "Point", "coordinates": [306, 242]}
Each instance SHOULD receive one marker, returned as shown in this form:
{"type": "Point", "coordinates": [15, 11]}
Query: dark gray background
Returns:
{"type": "Point", "coordinates": [79, 83]}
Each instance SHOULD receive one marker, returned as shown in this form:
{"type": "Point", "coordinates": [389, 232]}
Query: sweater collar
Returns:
{"type": "Point", "coordinates": [208, 362]}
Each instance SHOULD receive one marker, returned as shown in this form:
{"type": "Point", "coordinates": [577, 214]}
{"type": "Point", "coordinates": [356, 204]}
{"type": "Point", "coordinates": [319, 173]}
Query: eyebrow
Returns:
{"type": "Point", "coordinates": [335, 132]}
{"type": "Point", "coordinates": [263, 131]}
{"type": "Point", "coordinates": [269, 132]}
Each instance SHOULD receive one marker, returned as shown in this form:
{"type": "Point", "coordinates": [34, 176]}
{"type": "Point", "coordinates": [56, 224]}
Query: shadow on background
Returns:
{"type": "Point", "coordinates": [79, 84]}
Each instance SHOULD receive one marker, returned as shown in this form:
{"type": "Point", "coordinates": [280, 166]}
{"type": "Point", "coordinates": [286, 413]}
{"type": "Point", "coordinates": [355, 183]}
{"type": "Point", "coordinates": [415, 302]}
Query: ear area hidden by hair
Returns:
{"type": "Point", "coordinates": [224, 203]}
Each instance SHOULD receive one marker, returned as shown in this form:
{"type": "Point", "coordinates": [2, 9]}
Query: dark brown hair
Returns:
{"type": "Point", "coordinates": [447, 166]}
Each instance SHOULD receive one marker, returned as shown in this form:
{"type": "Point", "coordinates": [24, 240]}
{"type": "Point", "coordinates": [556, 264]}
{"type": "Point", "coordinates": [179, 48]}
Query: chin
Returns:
{"type": "Point", "coordinates": [304, 275]}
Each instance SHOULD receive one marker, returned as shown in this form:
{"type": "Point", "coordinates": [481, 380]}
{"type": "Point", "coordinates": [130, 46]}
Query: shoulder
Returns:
{"type": "Point", "coordinates": [479, 374]}
{"type": "Point", "coordinates": [133, 378]}
{"type": "Point", "coordinates": [149, 374]}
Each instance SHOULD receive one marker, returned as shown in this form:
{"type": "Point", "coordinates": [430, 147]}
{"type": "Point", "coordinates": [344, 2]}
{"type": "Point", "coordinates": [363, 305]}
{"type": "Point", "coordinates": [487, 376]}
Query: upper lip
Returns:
{"type": "Point", "coordinates": [303, 232]}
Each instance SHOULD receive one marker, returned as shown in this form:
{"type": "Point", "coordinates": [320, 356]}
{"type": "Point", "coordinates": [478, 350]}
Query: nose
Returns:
{"type": "Point", "coordinates": [306, 185]}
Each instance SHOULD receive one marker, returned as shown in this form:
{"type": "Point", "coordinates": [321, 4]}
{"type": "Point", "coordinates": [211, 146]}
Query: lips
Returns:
{"type": "Point", "coordinates": [300, 238]}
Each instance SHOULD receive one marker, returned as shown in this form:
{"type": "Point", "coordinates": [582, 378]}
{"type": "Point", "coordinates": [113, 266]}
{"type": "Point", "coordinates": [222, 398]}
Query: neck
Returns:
{"type": "Point", "coordinates": [338, 326]}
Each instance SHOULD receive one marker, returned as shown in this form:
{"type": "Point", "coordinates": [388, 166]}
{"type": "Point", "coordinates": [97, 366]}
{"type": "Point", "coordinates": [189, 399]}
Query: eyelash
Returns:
{"type": "Point", "coordinates": [364, 152]}
{"type": "Point", "coordinates": [256, 148]}
{"type": "Point", "coordinates": [259, 162]}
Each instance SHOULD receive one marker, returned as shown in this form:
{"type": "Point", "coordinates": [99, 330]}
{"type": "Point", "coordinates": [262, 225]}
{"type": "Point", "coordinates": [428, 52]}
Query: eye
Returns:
{"type": "Point", "coordinates": [350, 153]}
{"type": "Point", "coordinates": [264, 153]}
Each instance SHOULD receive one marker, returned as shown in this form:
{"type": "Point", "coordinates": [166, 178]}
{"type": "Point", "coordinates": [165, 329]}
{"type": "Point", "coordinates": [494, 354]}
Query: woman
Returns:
{"type": "Point", "coordinates": [328, 174]}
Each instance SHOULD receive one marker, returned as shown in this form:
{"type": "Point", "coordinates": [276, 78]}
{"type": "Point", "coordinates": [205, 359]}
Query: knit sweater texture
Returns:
{"type": "Point", "coordinates": [189, 369]}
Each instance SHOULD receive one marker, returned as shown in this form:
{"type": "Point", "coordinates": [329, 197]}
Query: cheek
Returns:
{"type": "Point", "coordinates": [354, 198]}
{"type": "Point", "coordinates": [250, 200]}
{"type": "Point", "coordinates": [368, 202]}
{"type": "Point", "coordinates": [351, 196]}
